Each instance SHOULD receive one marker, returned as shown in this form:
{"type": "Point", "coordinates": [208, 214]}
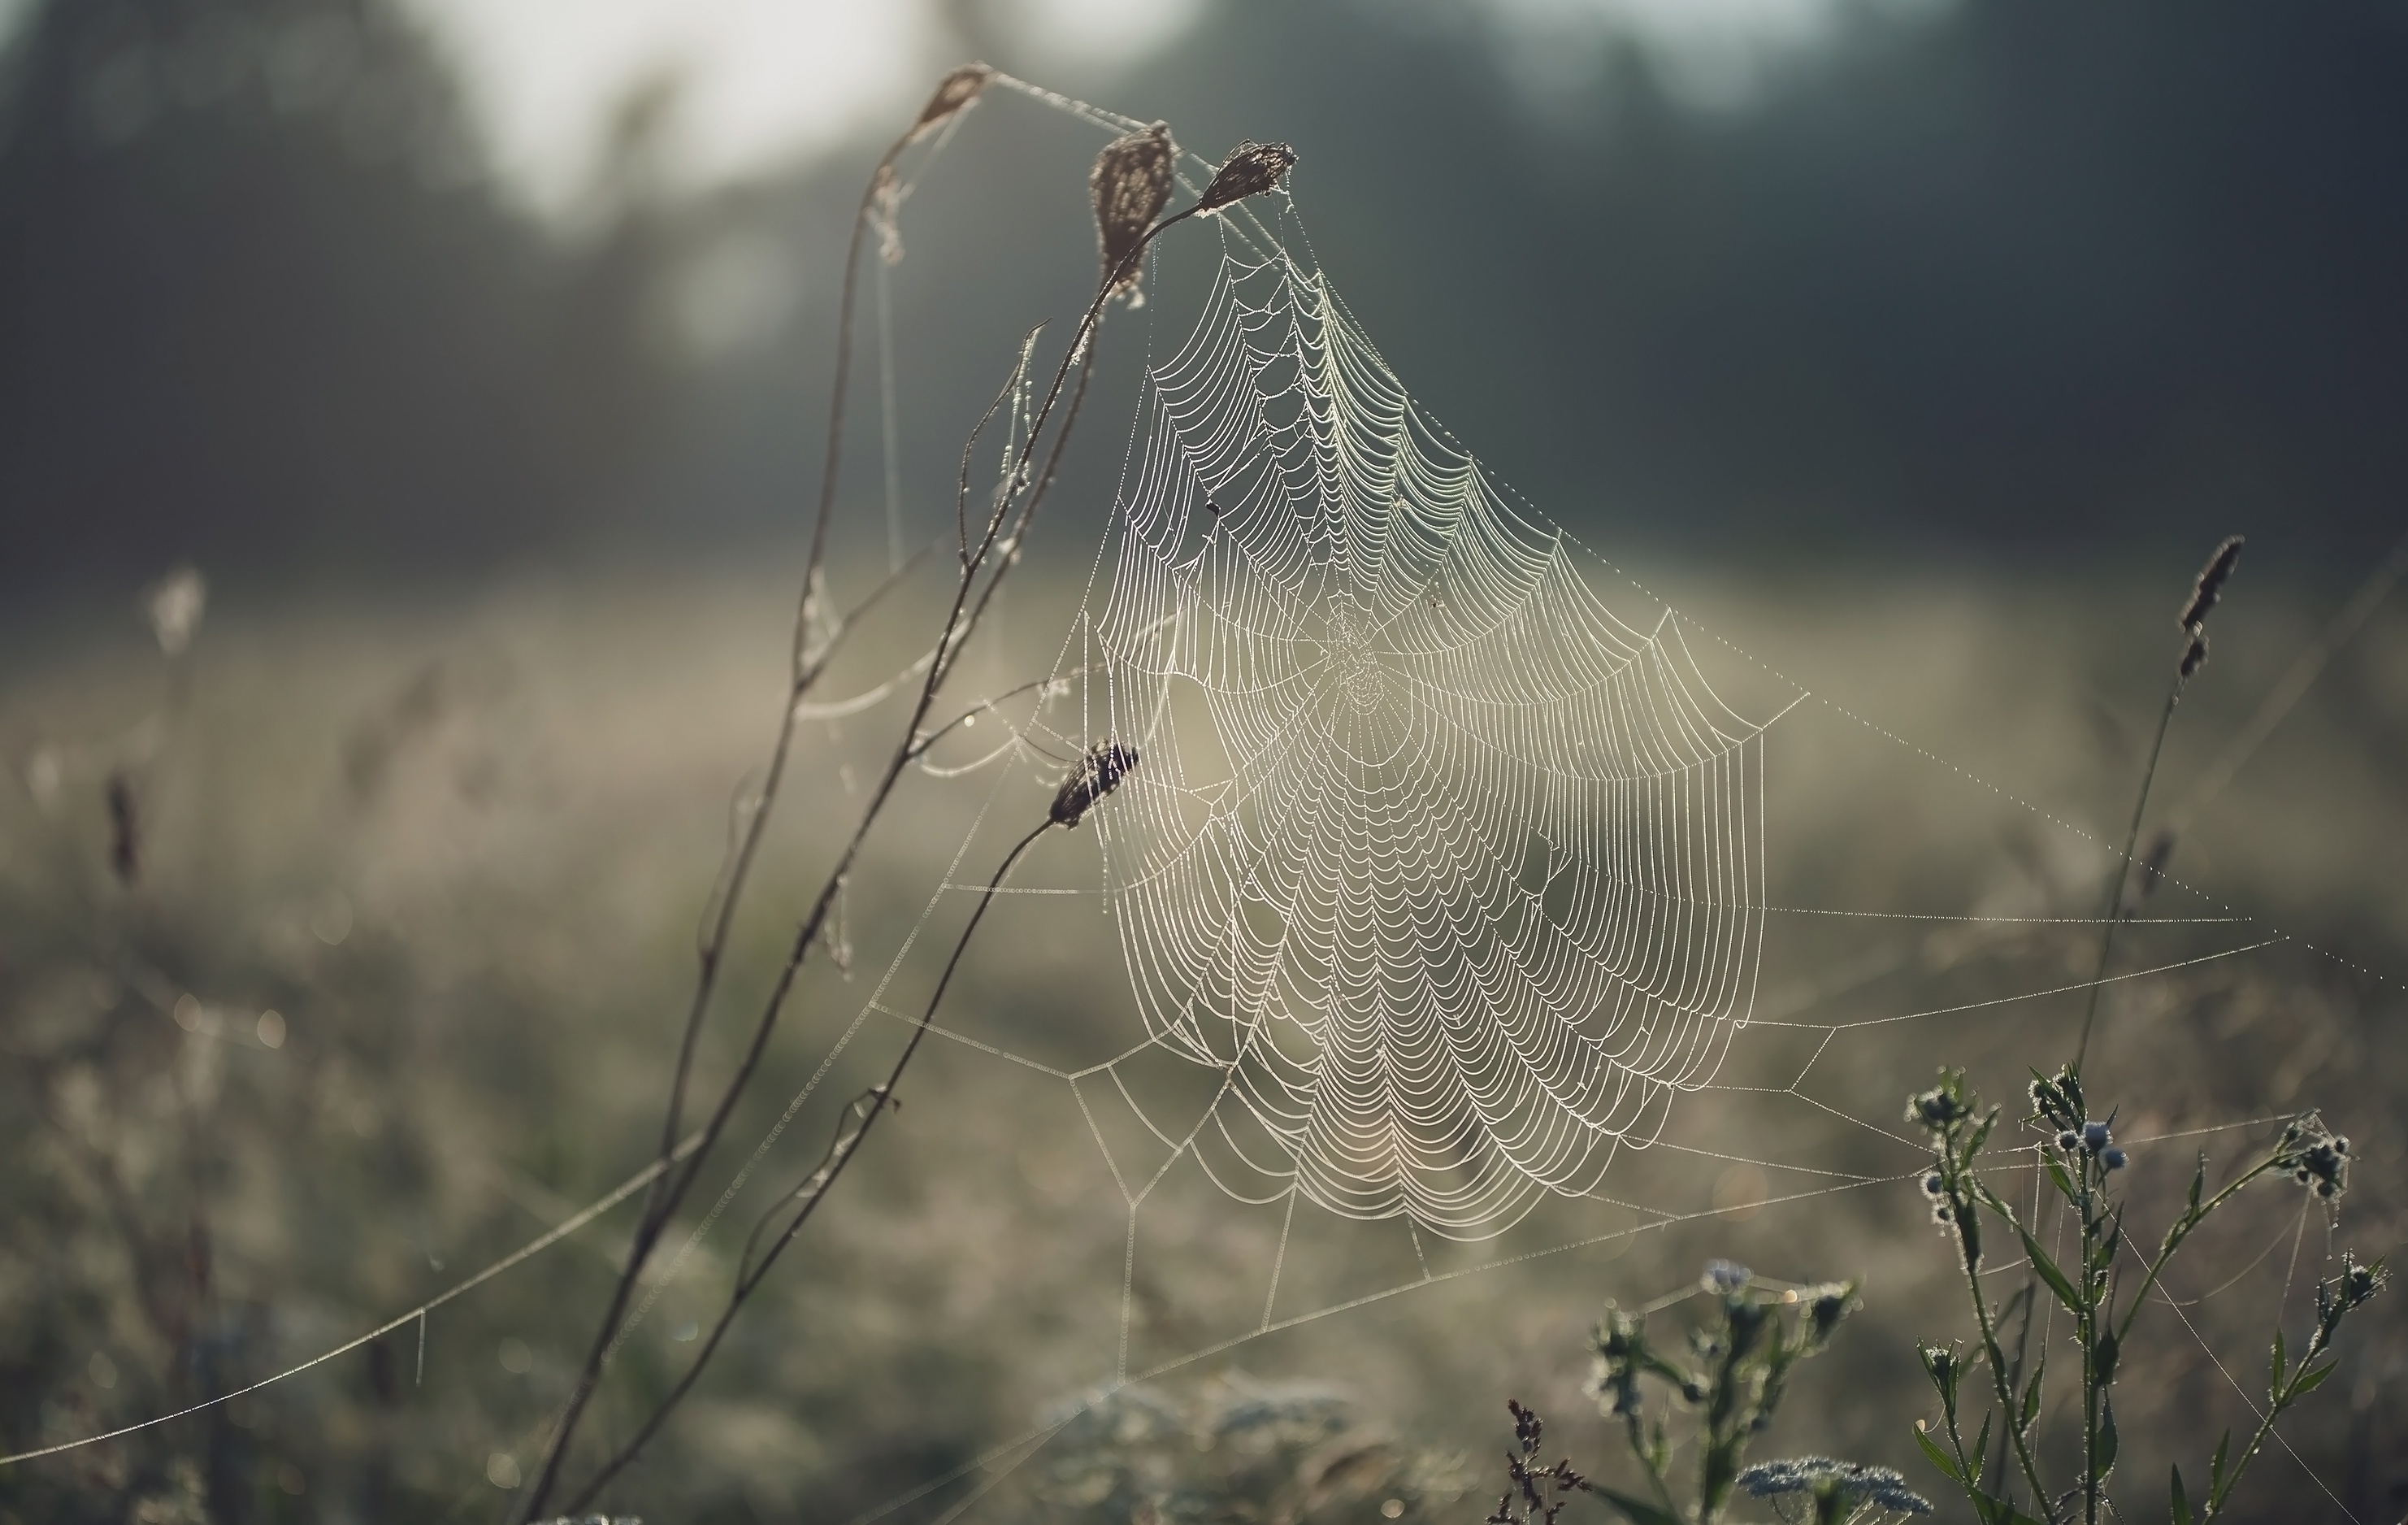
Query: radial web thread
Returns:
{"type": "Point", "coordinates": [1455, 875]}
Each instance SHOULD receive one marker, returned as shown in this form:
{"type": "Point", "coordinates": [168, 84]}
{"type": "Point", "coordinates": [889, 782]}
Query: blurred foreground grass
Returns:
{"type": "Point", "coordinates": [457, 846]}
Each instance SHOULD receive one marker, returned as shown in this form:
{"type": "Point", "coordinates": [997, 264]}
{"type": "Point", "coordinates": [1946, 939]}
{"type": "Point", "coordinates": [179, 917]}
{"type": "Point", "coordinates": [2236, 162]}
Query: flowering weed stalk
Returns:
{"type": "Point", "coordinates": [1733, 1374]}
{"type": "Point", "coordinates": [2080, 1161]}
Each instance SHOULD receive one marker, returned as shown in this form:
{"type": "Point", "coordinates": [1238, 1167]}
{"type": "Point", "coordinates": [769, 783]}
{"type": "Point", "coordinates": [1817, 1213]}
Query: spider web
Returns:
{"type": "Point", "coordinates": [1448, 879]}
{"type": "Point", "coordinates": [1453, 875]}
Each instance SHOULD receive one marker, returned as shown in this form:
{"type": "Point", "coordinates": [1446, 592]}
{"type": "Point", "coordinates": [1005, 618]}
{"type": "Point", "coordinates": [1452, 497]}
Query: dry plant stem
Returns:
{"type": "Point", "coordinates": [805, 668]}
{"type": "Point", "coordinates": [1969, 1259]}
{"type": "Point", "coordinates": [669, 1187]}
{"type": "Point", "coordinates": [841, 1152]}
{"type": "Point", "coordinates": [960, 624]}
{"type": "Point", "coordinates": [2124, 871]}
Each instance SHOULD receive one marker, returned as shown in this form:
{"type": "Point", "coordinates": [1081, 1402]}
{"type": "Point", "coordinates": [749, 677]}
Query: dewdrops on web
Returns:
{"type": "Point", "coordinates": [1725, 1278]}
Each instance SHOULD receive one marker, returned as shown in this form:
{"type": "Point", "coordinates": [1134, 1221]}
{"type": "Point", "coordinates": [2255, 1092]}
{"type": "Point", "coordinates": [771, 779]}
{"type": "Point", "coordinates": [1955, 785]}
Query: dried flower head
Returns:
{"type": "Point", "coordinates": [2193, 656]}
{"type": "Point", "coordinates": [1131, 183]}
{"type": "Point", "coordinates": [1097, 774]}
{"type": "Point", "coordinates": [957, 93]}
{"type": "Point", "coordinates": [1251, 170]}
{"type": "Point", "coordinates": [2212, 578]}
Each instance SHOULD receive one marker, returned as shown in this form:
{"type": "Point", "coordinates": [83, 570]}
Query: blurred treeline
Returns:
{"type": "Point", "coordinates": [1964, 275]}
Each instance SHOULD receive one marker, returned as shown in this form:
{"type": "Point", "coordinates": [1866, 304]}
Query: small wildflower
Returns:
{"type": "Point", "coordinates": [2068, 1140]}
{"type": "Point", "coordinates": [2094, 1136]}
{"type": "Point", "coordinates": [1931, 1184]}
{"type": "Point", "coordinates": [1725, 1278]}
{"type": "Point", "coordinates": [1823, 1477]}
{"type": "Point", "coordinates": [2352, 1289]}
{"type": "Point", "coordinates": [2113, 1158]}
{"type": "Point", "coordinates": [2316, 1158]}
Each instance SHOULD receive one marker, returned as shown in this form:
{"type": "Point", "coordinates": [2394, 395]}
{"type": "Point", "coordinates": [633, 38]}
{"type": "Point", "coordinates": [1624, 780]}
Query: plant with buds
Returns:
{"type": "Point", "coordinates": [2079, 1167]}
{"type": "Point", "coordinates": [1732, 1376]}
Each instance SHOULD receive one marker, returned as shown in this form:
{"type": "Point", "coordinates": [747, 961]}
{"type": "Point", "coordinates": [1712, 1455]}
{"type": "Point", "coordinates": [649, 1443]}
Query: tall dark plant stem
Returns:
{"type": "Point", "coordinates": [2115, 912]}
{"type": "Point", "coordinates": [972, 594]}
{"type": "Point", "coordinates": [873, 1104]}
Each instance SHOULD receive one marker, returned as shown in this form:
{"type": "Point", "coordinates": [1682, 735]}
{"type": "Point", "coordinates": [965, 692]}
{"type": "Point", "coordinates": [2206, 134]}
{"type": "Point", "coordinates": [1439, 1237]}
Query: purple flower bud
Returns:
{"type": "Point", "coordinates": [2093, 1135]}
{"type": "Point", "coordinates": [2113, 1159]}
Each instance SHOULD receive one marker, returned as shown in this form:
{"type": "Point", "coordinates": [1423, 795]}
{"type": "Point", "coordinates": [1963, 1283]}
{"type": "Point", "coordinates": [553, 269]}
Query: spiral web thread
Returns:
{"type": "Point", "coordinates": [1456, 876]}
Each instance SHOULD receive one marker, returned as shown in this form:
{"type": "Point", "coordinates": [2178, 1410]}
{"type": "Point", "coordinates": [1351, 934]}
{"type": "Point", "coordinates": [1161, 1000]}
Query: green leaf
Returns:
{"type": "Point", "coordinates": [1638, 1511]}
{"type": "Point", "coordinates": [2102, 1356]}
{"type": "Point", "coordinates": [2032, 1398]}
{"type": "Point", "coordinates": [2274, 1366]}
{"type": "Point", "coordinates": [2181, 1506]}
{"type": "Point", "coordinates": [2199, 1181]}
{"type": "Point", "coordinates": [2102, 1461]}
{"type": "Point", "coordinates": [2064, 1181]}
{"type": "Point", "coordinates": [2048, 1271]}
{"type": "Point", "coordinates": [1939, 1457]}
{"type": "Point", "coordinates": [2215, 1468]}
{"type": "Point", "coordinates": [1982, 1448]}
{"type": "Point", "coordinates": [2313, 1380]}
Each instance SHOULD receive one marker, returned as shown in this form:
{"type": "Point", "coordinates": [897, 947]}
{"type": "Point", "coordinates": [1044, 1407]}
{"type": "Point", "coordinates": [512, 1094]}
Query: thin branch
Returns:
{"type": "Point", "coordinates": [841, 1153]}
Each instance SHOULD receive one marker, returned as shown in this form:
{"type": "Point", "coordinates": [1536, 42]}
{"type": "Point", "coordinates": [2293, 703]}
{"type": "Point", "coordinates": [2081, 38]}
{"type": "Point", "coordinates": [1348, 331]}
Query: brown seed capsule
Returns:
{"type": "Point", "coordinates": [1097, 774]}
{"type": "Point", "coordinates": [1130, 184]}
{"type": "Point", "coordinates": [1251, 170]}
{"type": "Point", "coordinates": [2212, 578]}
{"type": "Point", "coordinates": [954, 94]}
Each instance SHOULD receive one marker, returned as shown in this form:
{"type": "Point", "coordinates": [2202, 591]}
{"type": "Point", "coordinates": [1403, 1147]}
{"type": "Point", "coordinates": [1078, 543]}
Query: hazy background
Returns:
{"type": "Point", "coordinates": [477, 350]}
{"type": "Point", "coordinates": [309, 290]}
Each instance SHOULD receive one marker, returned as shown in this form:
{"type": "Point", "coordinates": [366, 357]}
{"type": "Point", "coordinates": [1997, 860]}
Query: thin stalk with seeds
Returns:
{"type": "Point", "coordinates": [1256, 169]}
{"type": "Point", "coordinates": [879, 1099]}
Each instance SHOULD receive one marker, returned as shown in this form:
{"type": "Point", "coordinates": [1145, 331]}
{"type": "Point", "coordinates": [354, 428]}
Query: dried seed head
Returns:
{"type": "Point", "coordinates": [124, 830]}
{"type": "Point", "coordinates": [956, 93]}
{"type": "Point", "coordinates": [1131, 183]}
{"type": "Point", "coordinates": [1251, 170]}
{"type": "Point", "coordinates": [2212, 578]}
{"type": "Point", "coordinates": [2193, 656]}
{"type": "Point", "coordinates": [1097, 774]}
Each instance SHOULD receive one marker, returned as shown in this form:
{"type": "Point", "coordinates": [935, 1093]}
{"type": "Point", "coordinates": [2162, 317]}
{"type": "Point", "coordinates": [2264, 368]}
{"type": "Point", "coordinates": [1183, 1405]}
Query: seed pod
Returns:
{"type": "Point", "coordinates": [956, 93]}
{"type": "Point", "coordinates": [1131, 184]}
{"type": "Point", "coordinates": [1251, 170]}
{"type": "Point", "coordinates": [124, 830]}
{"type": "Point", "coordinates": [1097, 774]}
{"type": "Point", "coordinates": [2212, 578]}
